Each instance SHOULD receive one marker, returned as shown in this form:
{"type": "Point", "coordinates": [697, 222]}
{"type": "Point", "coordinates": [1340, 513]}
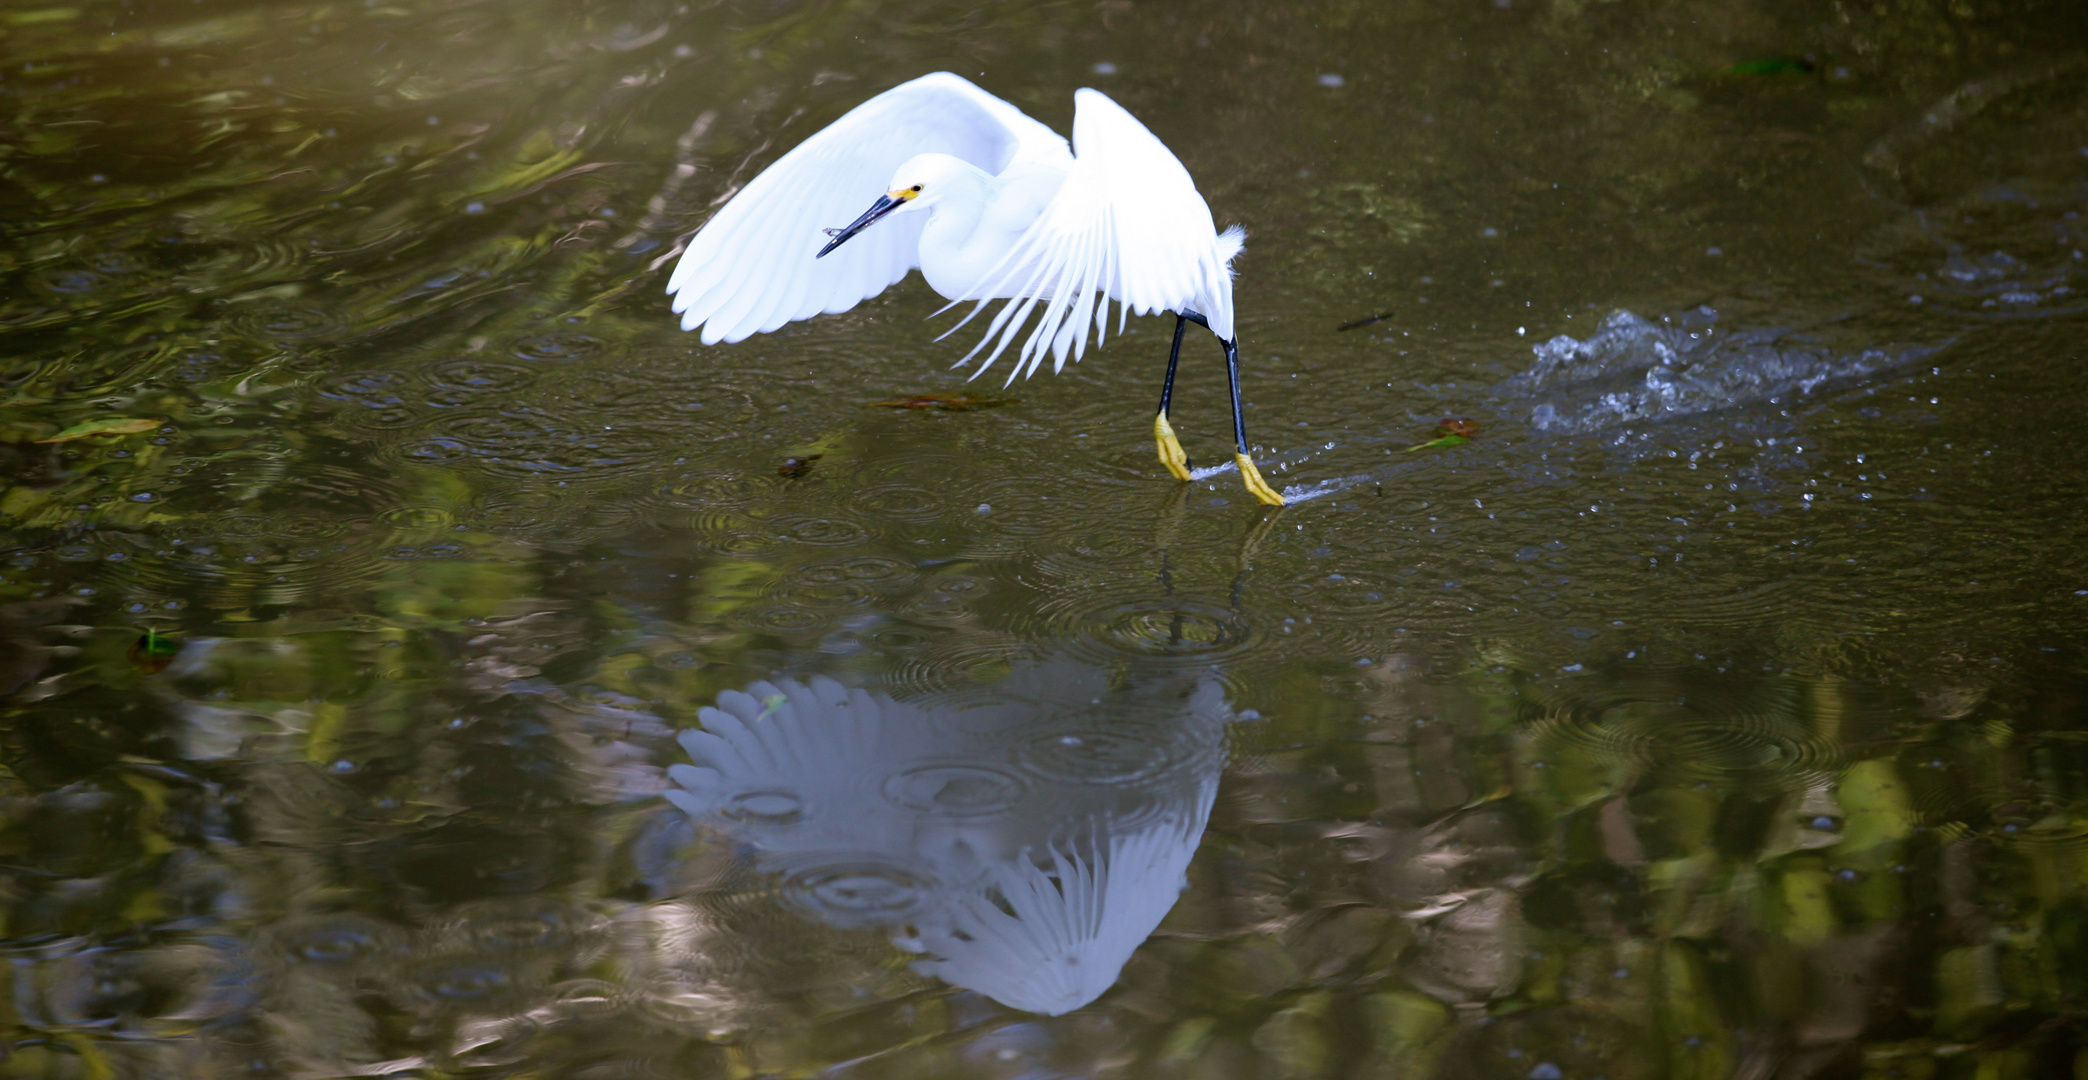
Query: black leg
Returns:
{"type": "Point", "coordinates": [1170, 448]}
{"type": "Point", "coordinates": [1174, 355]}
{"type": "Point", "coordinates": [1232, 378]}
{"type": "Point", "coordinates": [1256, 486]}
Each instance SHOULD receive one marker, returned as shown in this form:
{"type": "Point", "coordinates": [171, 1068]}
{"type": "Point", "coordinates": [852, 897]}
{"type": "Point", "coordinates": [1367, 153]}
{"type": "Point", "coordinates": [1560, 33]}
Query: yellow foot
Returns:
{"type": "Point", "coordinates": [1171, 454]}
{"type": "Point", "coordinates": [1257, 486]}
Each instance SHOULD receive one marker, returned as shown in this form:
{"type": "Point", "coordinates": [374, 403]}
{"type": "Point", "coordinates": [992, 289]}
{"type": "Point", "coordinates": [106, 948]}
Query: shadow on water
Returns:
{"type": "Point", "coordinates": [447, 667]}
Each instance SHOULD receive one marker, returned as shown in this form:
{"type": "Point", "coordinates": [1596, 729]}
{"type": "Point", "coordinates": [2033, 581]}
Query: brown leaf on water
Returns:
{"type": "Point", "coordinates": [1450, 431]}
{"type": "Point", "coordinates": [945, 402]}
{"type": "Point", "coordinates": [794, 467]}
{"type": "Point", "coordinates": [114, 425]}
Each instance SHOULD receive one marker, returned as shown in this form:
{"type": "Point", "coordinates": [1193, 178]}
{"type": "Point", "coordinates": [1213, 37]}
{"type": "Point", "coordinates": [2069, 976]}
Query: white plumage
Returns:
{"type": "Point", "coordinates": [988, 203]}
{"type": "Point", "coordinates": [1024, 845]}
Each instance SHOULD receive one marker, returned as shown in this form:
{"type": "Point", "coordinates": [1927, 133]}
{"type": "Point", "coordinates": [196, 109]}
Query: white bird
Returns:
{"type": "Point", "coordinates": [989, 205]}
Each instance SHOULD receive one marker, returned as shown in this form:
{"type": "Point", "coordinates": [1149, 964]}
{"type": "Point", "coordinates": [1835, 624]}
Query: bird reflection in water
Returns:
{"type": "Point", "coordinates": [1024, 841]}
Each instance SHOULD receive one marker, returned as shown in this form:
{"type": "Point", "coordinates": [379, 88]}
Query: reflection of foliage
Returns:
{"type": "Point", "coordinates": [1484, 873]}
{"type": "Point", "coordinates": [390, 801]}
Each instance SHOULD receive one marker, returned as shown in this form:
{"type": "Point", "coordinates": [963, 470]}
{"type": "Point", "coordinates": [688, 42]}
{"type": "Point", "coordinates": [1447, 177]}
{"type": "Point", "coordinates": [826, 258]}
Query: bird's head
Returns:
{"type": "Point", "coordinates": [919, 184]}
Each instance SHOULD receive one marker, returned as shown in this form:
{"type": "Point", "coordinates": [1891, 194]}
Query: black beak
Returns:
{"type": "Point", "coordinates": [885, 204]}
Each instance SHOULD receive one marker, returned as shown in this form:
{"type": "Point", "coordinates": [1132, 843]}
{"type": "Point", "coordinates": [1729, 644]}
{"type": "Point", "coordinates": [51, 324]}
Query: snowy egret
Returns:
{"type": "Point", "coordinates": [989, 205]}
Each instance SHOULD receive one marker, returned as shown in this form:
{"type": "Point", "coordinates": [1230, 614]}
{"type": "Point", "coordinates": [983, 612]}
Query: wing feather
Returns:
{"type": "Point", "coordinates": [1127, 225]}
{"type": "Point", "coordinates": [752, 267]}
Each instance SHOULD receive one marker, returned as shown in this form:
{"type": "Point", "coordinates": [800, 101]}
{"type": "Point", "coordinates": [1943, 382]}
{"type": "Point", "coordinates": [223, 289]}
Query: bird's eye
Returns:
{"type": "Point", "coordinates": [917, 188]}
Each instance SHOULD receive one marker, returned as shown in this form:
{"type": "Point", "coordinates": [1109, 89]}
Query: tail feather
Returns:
{"type": "Point", "coordinates": [1214, 294]}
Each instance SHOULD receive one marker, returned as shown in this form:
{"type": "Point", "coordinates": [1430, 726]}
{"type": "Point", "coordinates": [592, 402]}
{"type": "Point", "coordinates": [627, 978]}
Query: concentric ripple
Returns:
{"type": "Point", "coordinates": [555, 346]}
{"type": "Point", "coordinates": [1105, 750]}
{"type": "Point", "coordinates": [1582, 733]}
{"type": "Point", "coordinates": [1692, 742]}
{"type": "Point", "coordinates": [300, 322]}
{"type": "Point", "coordinates": [899, 501]}
{"type": "Point", "coordinates": [521, 924]}
{"type": "Point", "coordinates": [934, 659]}
{"type": "Point", "coordinates": [854, 891]}
{"type": "Point", "coordinates": [338, 939]}
{"type": "Point", "coordinates": [1159, 627]}
{"type": "Point", "coordinates": [821, 531]}
{"type": "Point", "coordinates": [786, 618]}
{"type": "Point", "coordinates": [765, 807]}
{"type": "Point", "coordinates": [955, 790]}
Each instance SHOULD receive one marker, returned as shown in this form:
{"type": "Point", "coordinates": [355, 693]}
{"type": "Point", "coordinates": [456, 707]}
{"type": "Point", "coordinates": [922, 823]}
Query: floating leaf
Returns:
{"type": "Point", "coordinates": [795, 467]}
{"type": "Point", "coordinates": [153, 652]}
{"type": "Point", "coordinates": [113, 425]}
{"type": "Point", "coordinates": [1450, 431]}
{"type": "Point", "coordinates": [945, 402]}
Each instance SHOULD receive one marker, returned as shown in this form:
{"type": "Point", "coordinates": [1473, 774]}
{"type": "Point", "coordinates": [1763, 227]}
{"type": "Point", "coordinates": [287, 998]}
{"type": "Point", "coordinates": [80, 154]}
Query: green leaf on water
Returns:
{"type": "Point", "coordinates": [1450, 431]}
{"type": "Point", "coordinates": [111, 425]}
{"type": "Point", "coordinates": [153, 652]}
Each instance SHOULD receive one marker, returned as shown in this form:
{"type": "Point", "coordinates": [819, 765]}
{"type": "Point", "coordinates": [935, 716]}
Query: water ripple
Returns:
{"type": "Point", "coordinates": [955, 790]}
{"type": "Point", "coordinates": [822, 532]}
{"type": "Point", "coordinates": [859, 890]}
{"type": "Point", "coordinates": [481, 376]}
{"type": "Point", "coordinates": [903, 502]}
{"type": "Point", "coordinates": [342, 938]}
{"type": "Point", "coordinates": [1689, 741]}
{"type": "Point", "coordinates": [290, 322]}
{"type": "Point", "coordinates": [1155, 627]}
{"type": "Point", "coordinates": [555, 346]}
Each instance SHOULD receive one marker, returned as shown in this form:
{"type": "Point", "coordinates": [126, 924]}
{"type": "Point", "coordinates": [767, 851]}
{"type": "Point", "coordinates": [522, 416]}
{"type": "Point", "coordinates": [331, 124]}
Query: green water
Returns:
{"type": "Point", "coordinates": [1720, 709]}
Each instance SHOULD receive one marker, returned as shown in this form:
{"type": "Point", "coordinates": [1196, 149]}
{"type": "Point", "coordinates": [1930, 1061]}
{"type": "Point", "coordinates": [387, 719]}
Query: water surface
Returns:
{"type": "Point", "coordinates": [1716, 710]}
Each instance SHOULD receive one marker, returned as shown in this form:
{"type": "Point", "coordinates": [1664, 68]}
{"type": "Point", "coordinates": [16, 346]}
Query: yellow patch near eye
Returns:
{"type": "Point", "coordinates": [903, 194]}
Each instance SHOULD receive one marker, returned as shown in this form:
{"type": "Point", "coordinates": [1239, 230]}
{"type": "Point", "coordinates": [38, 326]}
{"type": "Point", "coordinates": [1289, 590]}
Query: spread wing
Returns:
{"type": "Point", "coordinates": [1128, 225]}
{"type": "Point", "coordinates": [1054, 936]}
{"type": "Point", "coordinates": [752, 267]}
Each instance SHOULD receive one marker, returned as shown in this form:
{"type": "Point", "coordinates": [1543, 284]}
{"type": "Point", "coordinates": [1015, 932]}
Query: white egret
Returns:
{"type": "Point", "coordinates": [989, 205]}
